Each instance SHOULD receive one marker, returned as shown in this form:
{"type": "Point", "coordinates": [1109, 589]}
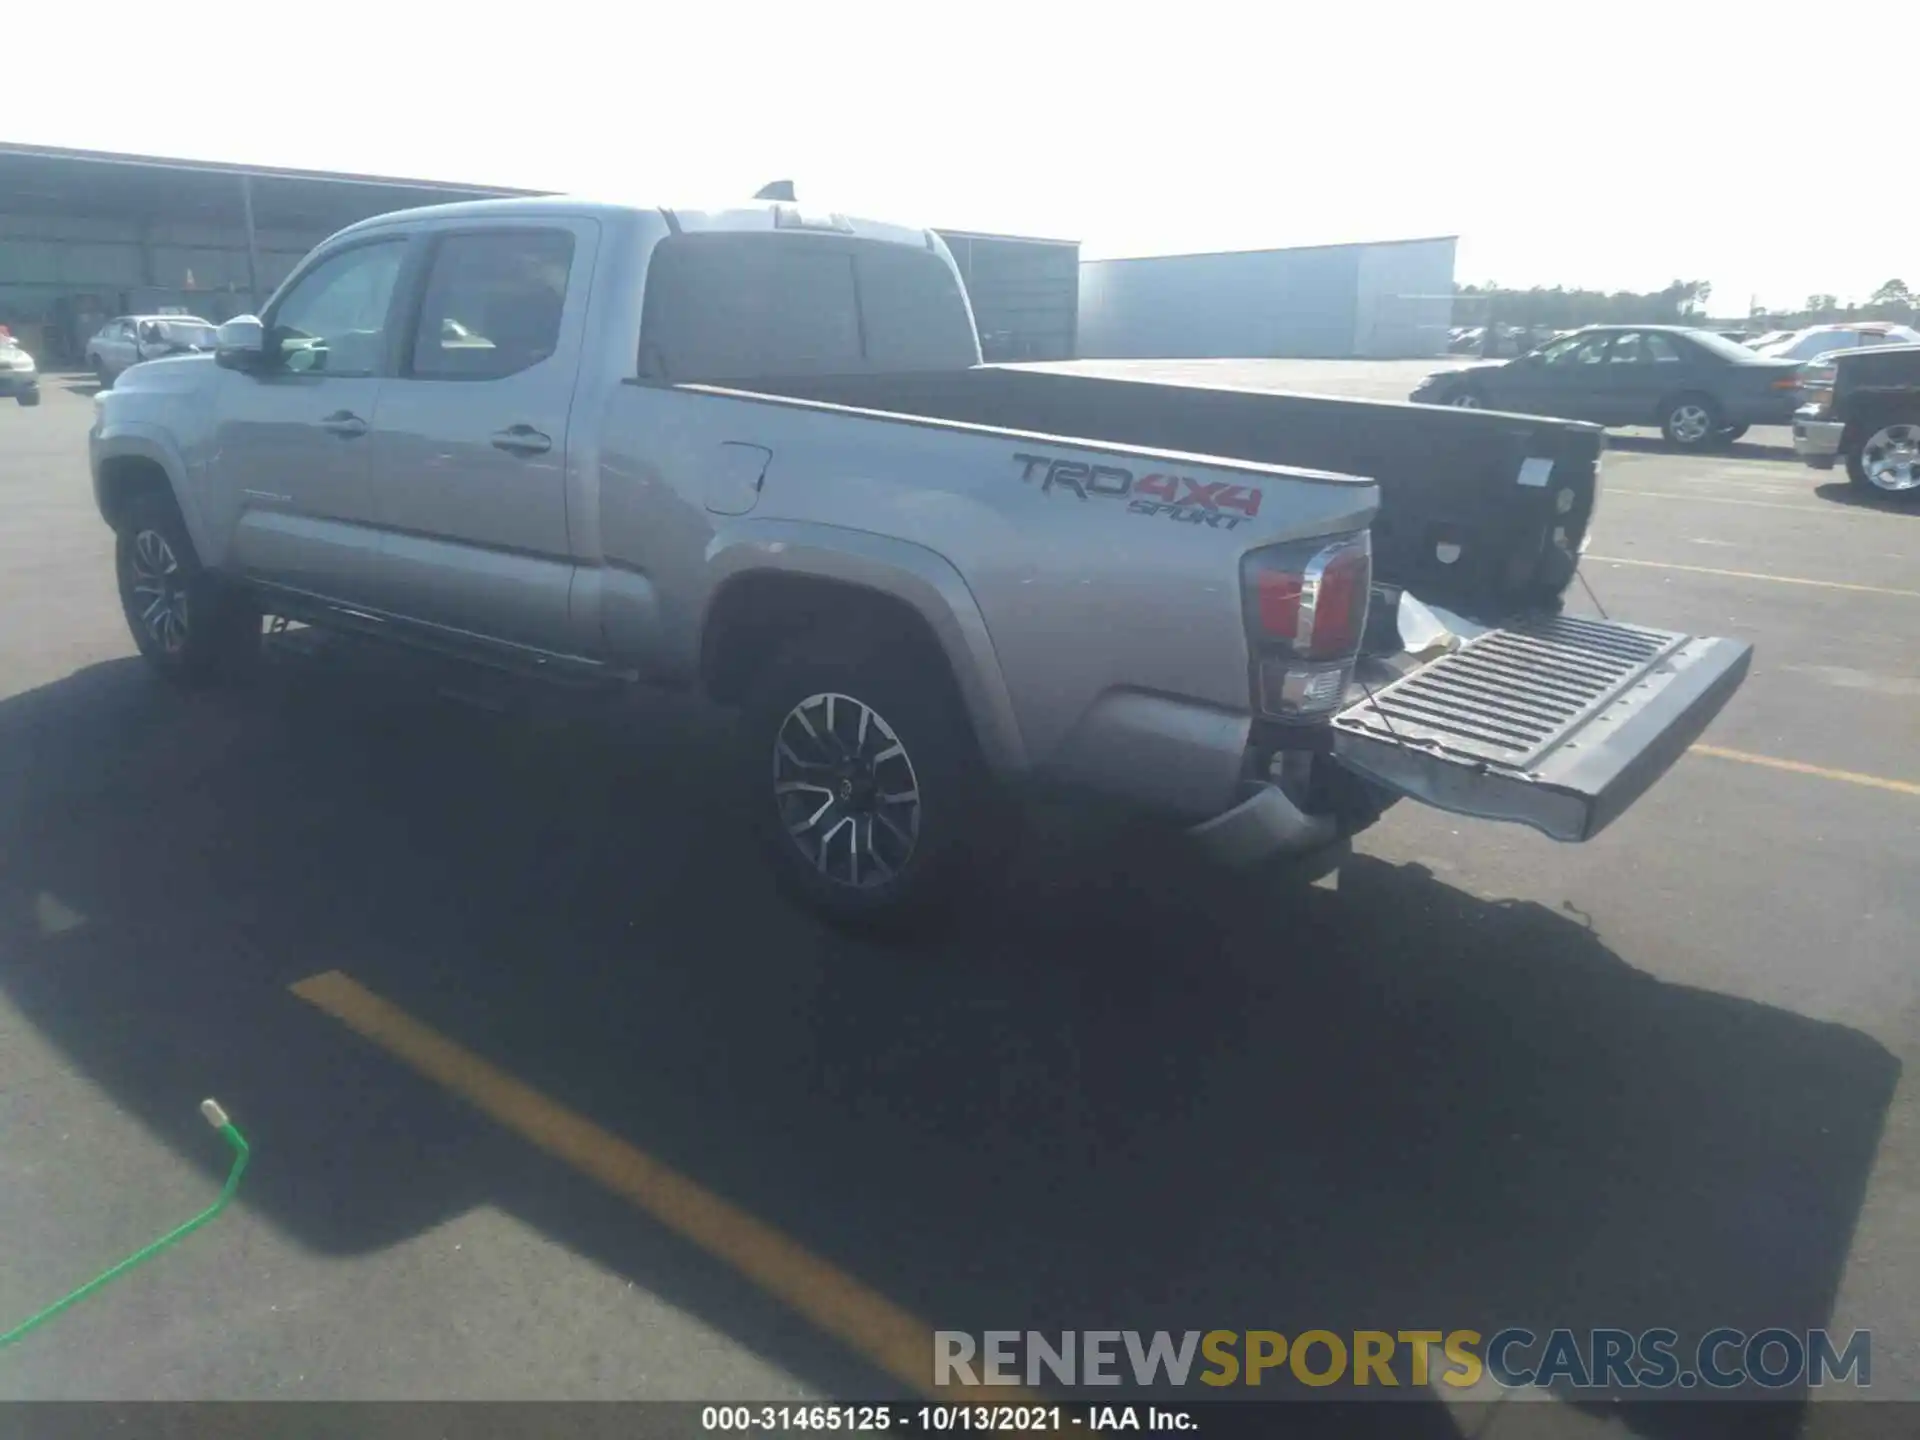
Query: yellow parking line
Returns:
{"type": "Point", "coordinates": [1851, 777]}
{"type": "Point", "coordinates": [865, 1320]}
{"type": "Point", "coordinates": [1755, 575]}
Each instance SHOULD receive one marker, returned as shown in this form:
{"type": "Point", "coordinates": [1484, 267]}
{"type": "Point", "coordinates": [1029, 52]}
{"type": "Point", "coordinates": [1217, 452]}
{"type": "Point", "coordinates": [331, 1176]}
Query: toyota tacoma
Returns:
{"type": "Point", "coordinates": [753, 451]}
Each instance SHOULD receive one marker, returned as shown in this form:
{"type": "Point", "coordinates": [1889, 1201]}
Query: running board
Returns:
{"type": "Point", "coordinates": [1554, 722]}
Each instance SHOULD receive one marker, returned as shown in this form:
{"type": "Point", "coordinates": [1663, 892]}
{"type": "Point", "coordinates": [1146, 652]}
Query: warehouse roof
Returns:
{"type": "Point", "coordinates": [991, 235]}
{"type": "Point", "coordinates": [1273, 250]}
{"type": "Point", "coordinates": [52, 180]}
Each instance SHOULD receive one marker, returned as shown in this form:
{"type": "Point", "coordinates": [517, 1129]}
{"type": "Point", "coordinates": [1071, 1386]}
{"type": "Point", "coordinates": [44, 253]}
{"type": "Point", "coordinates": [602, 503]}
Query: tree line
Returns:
{"type": "Point", "coordinates": [1683, 302]}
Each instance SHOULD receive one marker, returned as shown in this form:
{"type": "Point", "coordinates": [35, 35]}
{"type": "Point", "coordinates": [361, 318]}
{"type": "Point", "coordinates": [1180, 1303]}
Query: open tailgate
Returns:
{"type": "Point", "coordinates": [1556, 722]}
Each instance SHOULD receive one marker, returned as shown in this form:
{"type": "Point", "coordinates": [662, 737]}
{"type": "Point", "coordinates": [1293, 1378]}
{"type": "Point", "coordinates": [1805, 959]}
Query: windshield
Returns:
{"type": "Point", "coordinates": [736, 307]}
{"type": "Point", "coordinates": [186, 331]}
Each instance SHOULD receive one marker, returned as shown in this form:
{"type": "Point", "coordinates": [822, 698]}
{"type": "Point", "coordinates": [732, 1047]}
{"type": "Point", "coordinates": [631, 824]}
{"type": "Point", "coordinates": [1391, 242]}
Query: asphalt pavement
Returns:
{"type": "Point", "coordinates": [1476, 1079]}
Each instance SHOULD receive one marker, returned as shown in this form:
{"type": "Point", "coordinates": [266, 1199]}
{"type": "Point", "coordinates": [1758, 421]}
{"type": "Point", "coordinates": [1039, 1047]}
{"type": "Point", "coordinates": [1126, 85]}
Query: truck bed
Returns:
{"type": "Point", "coordinates": [1481, 512]}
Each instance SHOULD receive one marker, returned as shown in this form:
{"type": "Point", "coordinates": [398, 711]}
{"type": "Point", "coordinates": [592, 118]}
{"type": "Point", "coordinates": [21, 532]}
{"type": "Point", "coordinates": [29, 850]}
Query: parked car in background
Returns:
{"type": "Point", "coordinates": [1818, 340]}
{"type": "Point", "coordinates": [1698, 387]}
{"type": "Point", "coordinates": [1760, 342]}
{"type": "Point", "coordinates": [19, 376]}
{"type": "Point", "coordinates": [126, 340]}
{"type": "Point", "coordinates": [1863, 408]}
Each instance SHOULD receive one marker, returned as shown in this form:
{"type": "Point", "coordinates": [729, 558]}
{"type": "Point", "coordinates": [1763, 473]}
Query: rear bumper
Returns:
{"type": "Point", "coordinates": [1817, 442]}
{"type": "Point", "coordinates": [1263, 825]}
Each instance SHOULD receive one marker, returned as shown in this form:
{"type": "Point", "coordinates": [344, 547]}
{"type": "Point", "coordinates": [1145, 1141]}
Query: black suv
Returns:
{"type": "Point", "coordinates": [1863, 407]}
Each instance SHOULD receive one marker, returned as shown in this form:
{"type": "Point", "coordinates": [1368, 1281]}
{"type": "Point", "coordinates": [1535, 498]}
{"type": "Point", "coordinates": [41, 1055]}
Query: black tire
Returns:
{"type": "Point", "coordinates": [205, 633]}
{"type": "Point", "coordinates": [1727, 434]}
{"type": "Point", "coordinates": [1467, 396]}
{"type": "Point", "coordinates": [28, 398]}
{"type": "Point", "coordinates": [931, 847]}
{"type": "Point", "coordinates": [1897, 426]}
{"type": "Point", "coordinates": [1690, 421]}
{"type": "Point", "coordinates": [101, 374]}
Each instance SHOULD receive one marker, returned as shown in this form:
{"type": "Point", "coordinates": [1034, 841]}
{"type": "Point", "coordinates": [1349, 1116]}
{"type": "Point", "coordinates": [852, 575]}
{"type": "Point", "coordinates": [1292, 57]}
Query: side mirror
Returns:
{"type": "Point", "coordinates": [241, 344]}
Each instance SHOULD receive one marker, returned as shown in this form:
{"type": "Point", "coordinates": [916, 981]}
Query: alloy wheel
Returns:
{"type": "Point", "coordinates": [158, 586]}
{"type": "Point", "coordinates": [1690, 424]}
{"type": "Point", "coordinates": [1465, 400]}
{"type": "Point", "coordinates": [846, 790]}
{"type": "Point", "coordinates": [1891, 458]}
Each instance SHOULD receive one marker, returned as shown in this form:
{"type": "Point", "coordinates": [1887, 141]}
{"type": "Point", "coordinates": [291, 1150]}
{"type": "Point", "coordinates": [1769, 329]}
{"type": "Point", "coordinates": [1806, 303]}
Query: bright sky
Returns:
{"type": "Point", "coordinates": [1615, 146]}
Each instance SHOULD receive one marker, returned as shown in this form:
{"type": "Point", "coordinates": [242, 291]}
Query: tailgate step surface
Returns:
{"type": "Point", "coordinates": [1511, 695]}
{"type": "Point", "coordinates": [1552, 721]}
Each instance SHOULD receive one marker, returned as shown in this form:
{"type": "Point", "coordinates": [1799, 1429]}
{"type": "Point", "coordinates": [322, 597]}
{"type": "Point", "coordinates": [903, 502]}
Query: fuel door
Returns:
{"type": "Point", "coordinates": [733, 484]}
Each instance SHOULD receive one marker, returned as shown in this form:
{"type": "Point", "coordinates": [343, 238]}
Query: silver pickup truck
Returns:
{"type": "Point", "coordinates": [753, 450]}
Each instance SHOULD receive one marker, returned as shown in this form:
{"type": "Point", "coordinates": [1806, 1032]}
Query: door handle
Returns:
{"type": "Point", "coordinates": [345, 424]}
{"type": "Point", "coordinates": [521, 440]}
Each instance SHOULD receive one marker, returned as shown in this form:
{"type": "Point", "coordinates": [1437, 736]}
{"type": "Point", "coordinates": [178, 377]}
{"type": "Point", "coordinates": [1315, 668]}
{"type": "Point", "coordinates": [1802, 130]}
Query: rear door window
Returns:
{"type": "Point", "coordinates": [493, 304]}
{"type": "Point", "coordinates": [1578, 350]}
{"type": "Point", "coordinates": [1643, 347]}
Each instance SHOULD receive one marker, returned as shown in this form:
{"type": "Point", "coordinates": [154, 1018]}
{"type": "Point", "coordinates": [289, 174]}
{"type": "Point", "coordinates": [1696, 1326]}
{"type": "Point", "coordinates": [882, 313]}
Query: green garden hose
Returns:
{"type": "Point", "coordinates": [217, 1118]}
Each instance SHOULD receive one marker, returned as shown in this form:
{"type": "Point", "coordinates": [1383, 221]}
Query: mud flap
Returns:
{"type": "Point", "coordinates": [1555, 722]}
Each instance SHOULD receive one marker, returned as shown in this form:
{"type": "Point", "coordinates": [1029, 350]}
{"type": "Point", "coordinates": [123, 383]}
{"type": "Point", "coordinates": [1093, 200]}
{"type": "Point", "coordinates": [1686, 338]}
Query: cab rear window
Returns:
{"type": "Point", "coordinates": [738, 307]}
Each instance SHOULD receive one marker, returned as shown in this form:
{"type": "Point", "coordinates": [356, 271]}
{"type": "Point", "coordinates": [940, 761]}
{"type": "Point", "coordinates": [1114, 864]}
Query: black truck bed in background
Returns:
{"type": "Point", "coordinates": [1481, 512]}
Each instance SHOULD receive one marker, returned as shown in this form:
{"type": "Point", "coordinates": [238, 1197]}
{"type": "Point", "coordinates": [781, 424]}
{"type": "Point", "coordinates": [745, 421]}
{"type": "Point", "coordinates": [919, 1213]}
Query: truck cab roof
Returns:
{"type": "Point", "coordinates": [745, 217]}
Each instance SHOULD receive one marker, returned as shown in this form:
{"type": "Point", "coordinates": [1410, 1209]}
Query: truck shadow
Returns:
{"type": "Point", "coordinates": [1135, 1094]}
{"type": "Point", "coordinates": [1761, 447]}
{"type": "Point", "coordinates": [1842, 492]}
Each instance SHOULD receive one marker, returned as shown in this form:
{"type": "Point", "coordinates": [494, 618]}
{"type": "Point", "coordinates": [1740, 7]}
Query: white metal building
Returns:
{"type": "Point", "coordinates": [1383, 300]}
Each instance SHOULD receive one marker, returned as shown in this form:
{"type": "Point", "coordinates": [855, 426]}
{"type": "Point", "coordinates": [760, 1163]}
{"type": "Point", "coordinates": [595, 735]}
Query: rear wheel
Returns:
{"type": "Point", "coordinates": [1690, 421]}
{"type": "Point", "coordinates": [868, 792]}
{"type": "Point", "coordinates": [1883, 458]}
{"type": "Point", "coordinates": [189, 627]}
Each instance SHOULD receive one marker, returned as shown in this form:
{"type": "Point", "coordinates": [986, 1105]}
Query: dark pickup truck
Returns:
{"type": "Point", "coordinates": [1863, 408]}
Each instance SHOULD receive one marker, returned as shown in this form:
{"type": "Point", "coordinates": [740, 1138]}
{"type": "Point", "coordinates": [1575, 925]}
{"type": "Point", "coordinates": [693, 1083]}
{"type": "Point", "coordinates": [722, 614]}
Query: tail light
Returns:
{"type": "Point", "coordinates": [1816, 385]}
{"type": "Point", "coordinates": [1306, 607]}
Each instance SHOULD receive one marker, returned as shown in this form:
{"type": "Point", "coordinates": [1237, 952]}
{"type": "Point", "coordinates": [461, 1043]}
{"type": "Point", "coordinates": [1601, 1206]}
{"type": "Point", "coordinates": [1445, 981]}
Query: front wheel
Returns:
{"type": "Point", "coordinates": [1884, 457]}
{"type": "Point", "coordinates": [1690, 421]}
{"type": "Point", "coordinates": [188, 626]}
{"type": "Point", "coordinates": [867, 788]}
{"type": "Point", "coordinates": [1467, 398]}
{"type": "Point", "coordinates": [1727, 434]}
{"type": "Point", "coordinates": [102, 375]}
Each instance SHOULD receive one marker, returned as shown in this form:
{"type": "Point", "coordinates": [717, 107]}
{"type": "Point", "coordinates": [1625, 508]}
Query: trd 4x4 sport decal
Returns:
{"type": "Point", "coordinates": [1217, 504]}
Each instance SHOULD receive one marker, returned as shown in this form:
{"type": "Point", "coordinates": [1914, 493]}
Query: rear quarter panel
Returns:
{"type": "Point", "coordinates": [1084, 587]}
